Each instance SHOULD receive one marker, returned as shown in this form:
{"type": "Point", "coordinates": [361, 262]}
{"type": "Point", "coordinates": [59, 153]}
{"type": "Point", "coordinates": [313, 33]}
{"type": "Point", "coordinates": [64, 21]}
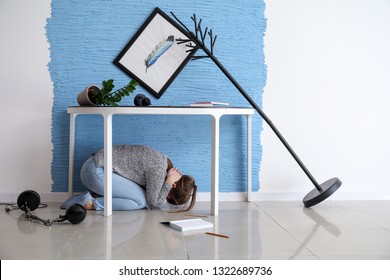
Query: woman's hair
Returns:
{"type": "Point", "coordinates": [184, 191]}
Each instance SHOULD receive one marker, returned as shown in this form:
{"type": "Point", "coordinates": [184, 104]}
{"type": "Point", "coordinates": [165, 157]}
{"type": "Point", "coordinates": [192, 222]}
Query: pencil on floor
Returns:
{"type": "Point", "coordinates": [216, 234]}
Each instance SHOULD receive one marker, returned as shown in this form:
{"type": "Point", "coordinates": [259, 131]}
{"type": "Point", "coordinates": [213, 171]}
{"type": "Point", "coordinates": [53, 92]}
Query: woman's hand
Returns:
{"type": "Point", "coordinates": [173, 176]}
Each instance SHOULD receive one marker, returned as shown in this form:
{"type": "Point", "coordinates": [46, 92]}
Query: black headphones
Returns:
{"type": "Point", "coordinates": [30, 200]}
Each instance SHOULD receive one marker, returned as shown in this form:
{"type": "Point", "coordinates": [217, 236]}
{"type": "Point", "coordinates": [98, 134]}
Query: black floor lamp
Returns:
{"type": "Point", "coordinates": [321, 191]}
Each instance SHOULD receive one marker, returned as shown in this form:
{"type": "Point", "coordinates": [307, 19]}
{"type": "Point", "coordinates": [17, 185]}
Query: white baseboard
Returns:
{"type": "Point", "coordinates": [231, 196]}
{"type": "Point", "coordinates": [45, 197]}
{"type": "Point", "coordinates": [262, 196]}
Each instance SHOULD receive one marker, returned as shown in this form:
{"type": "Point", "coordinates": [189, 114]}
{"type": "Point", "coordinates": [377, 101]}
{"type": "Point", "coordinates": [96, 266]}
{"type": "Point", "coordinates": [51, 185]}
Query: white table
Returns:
{"type": "Point", "coordinates": [107, 112]}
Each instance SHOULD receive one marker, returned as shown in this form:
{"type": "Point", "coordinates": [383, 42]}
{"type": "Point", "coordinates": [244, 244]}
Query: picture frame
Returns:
{"type": "Point", "coordinates": [152, 57]}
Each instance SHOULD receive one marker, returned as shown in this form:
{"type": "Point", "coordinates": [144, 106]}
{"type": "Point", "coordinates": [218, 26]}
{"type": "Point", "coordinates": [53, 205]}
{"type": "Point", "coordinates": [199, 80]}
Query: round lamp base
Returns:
{"type": "Point", "coordinates": [328, 188]}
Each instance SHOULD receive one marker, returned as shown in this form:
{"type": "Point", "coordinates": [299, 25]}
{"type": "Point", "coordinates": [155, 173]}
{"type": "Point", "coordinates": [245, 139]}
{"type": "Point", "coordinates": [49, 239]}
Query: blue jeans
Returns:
{"type": "Point", "coordinates": [126, 195]}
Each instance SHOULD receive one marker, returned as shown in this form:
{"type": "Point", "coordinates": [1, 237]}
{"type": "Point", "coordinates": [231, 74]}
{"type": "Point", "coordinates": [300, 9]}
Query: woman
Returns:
{"type": "Point", "coordinates": [142, 177]}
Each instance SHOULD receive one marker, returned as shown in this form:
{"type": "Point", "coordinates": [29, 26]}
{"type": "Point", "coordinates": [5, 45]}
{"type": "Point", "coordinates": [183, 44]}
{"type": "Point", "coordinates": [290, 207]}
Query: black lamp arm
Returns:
{"type": "Point", "coordinates": [201, 45]}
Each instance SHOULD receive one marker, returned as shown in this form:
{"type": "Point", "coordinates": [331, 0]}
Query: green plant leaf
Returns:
{"type": "Point", "coordinates": [110, 82]}
{"type": "Point", "coordinates": [130, 88]}
{"type": "Point", "coordinates": [108, 86]}
{"type": "Point", "coordinates": [117, 98]}
{"type": "Point", "coordinates": [122, 92]}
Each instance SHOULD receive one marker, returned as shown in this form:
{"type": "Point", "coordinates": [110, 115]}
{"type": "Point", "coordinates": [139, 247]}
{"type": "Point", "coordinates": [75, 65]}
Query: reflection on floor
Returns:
{"type": "Point", "coordinates": [257, 230]}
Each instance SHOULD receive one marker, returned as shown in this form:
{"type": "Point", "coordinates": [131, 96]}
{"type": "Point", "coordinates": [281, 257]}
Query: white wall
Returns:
{"type": "Point", "coordinates": [327, 91]}
{"type": "Point", "coordinates": [26, 97]}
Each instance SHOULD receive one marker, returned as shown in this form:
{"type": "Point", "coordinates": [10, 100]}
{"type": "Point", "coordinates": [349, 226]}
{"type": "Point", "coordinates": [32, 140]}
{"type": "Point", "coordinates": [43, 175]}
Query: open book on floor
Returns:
{"type": "Point", "coordinates": [189, 224]}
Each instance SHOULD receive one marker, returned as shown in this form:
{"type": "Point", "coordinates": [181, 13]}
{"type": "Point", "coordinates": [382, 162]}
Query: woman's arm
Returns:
{"type": "Point", "coordinates": [173, 176]}
{"type": "Point", "coordinates": [158, 186]}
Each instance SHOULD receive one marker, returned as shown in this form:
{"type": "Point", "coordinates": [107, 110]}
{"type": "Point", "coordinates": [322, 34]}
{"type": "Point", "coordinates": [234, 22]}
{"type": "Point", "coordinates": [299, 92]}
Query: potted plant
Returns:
{"type": "Point", "coordinates": [95, 96]}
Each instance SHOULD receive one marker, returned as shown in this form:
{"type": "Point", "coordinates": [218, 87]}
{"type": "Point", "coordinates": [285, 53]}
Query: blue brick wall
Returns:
{"type": "Point", "coordinates": [86, 36]}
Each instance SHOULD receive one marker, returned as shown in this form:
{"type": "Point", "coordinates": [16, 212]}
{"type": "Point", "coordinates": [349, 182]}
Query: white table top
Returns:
{"type": "Point", "coordinates": [165, 110]}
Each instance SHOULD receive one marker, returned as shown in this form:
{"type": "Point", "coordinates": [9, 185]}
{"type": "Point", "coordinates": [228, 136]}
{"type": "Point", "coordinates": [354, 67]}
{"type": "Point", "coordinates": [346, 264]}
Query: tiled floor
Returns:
{"type": "Point", "coordinates": [257, 230]}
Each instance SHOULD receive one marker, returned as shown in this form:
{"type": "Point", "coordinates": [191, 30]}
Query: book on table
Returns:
{"type": "Point", "coordinates": [208, 104]}
{"type": "Point", "coordinates": [190, 224]}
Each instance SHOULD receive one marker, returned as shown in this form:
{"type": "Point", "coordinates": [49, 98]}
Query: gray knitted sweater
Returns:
{"type": "Point", "coordinates": [142, 165]}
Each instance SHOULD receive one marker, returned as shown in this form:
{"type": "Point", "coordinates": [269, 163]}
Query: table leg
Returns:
{"type": "Point", "coordinates": [108, 165]}
{"type": "Point", "coordinates": [107, 245]}
{"type": "Point", "coordinates": [71, 153]}
{"type": "Point", "coordinates": [215, 165]}
{"type": "Point", "coordinates": [249, 157]}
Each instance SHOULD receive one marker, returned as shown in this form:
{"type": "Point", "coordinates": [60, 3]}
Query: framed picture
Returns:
{"type": "Point", "coordinates": [152, 56]}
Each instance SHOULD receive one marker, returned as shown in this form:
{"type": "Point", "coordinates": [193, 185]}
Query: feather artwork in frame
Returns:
{"type": "Point", "coordinates": [158, 51]}
{"type": "Point", "coordinates": [153, 56]}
